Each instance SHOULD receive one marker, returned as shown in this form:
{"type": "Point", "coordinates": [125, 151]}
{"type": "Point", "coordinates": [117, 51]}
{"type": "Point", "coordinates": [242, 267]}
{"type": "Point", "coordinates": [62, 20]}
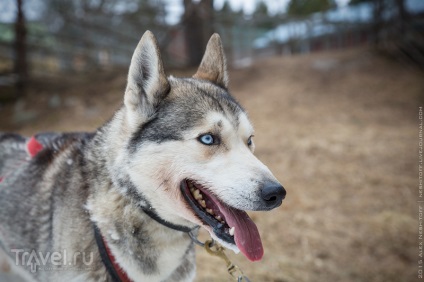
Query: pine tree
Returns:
{"type": "Point", "coordinates": [307, 7]}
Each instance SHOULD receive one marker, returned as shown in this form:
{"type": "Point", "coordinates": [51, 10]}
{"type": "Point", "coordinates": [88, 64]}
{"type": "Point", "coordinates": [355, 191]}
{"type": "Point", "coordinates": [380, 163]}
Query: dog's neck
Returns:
{"type": "Point", "coordinates": [145, 248]}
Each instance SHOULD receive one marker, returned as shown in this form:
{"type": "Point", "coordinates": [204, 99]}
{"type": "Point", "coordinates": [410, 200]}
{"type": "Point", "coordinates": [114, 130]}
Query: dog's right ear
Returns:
{"type": "Point", "coordinates": [147, 84]}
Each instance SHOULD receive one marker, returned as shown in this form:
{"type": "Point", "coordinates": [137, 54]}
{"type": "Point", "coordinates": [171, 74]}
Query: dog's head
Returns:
{"type": "Point", "coordinates": [189, 149]}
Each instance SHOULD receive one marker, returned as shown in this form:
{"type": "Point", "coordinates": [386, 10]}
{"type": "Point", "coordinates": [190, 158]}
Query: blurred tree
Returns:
{"type": "Point", "coordinates": [384, 12]}
{"type": "Point", "coordinates": [20, 63]}
{"type": "Point", "coordinates": [307, 7]}
{"type": "Point", "coordinates": [226, 8]}
{"type": "Point", "coordinates": [261, 8]}
{"type": "Point", "coordinates": [378, 24]}
{"type": "Point", "coordinates": [403, 16]}
{"type": "Point", "coordinates": [262, 17]}
{"type": "Point", "coordinates": [230, 23]}
{"type": "Point", "coordinates": [198, 27]}
{"type": "Point", "coordinates": [355, 2]}
{"type": "Point", "coordinates": [227, 16]}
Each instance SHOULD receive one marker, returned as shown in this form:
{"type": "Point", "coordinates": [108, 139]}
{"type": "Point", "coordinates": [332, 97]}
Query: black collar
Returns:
{"type": "Point", "coordinates": [150, 212]}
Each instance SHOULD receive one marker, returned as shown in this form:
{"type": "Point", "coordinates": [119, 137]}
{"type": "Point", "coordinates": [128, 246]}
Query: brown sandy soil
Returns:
{"type": "Point", "coordinates": [340, 130]}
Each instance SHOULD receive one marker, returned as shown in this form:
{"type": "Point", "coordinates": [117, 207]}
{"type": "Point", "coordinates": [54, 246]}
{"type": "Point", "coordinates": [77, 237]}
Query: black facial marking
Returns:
{"type": "Point", "coordinates": [155, 130]}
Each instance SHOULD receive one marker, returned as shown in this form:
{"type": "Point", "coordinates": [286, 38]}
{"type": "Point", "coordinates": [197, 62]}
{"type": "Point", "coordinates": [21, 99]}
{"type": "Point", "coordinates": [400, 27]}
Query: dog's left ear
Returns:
{"type": "Point", "coordinates": [213, 66]}
{"type": "Point", "coordinates": [147, 84]}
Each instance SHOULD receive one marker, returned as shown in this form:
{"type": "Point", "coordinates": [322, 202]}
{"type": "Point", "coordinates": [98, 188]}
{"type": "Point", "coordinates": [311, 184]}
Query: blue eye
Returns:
{"type": "Point", "coordinates": [207, 139]}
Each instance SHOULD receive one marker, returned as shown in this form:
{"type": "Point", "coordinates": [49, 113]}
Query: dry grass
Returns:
{"type": "Point", "coordinates": [339, 130]}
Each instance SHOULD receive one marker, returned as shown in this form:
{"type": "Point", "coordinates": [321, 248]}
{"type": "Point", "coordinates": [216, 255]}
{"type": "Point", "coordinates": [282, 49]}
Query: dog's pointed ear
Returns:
{"type": "Point", "coordinates": [213, 66]}
{"type": "Point", "coordinates": [147, 84]}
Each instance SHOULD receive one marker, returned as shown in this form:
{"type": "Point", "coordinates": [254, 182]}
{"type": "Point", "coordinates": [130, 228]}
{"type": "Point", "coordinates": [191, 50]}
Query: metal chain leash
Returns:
{"type": "Point", "coordinates": [217, 250]}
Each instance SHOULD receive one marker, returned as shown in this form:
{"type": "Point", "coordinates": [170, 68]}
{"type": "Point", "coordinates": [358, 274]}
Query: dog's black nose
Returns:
{"type": "Point", "coordinates": [273, 194]}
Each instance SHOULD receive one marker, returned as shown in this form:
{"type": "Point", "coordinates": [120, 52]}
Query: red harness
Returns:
{"type": "Point", "coordinates": [108, 259]}
{"type": "Point", "coordinates": [122, 275]}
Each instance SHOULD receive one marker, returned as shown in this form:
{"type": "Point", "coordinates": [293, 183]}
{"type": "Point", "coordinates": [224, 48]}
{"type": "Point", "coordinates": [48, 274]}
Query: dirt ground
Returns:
{"type": "Point", "coordinates": [340, 131]}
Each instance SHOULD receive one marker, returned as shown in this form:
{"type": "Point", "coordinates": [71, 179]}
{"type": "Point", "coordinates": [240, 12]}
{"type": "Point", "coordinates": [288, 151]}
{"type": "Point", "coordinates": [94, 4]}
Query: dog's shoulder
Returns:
{"type": "Point", "coordinates": [17, 152]}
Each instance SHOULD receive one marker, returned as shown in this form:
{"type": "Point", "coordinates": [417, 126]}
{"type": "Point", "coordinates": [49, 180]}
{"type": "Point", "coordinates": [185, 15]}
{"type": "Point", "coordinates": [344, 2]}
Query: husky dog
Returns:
{"type": "Point", "coordinates": [117, 204]}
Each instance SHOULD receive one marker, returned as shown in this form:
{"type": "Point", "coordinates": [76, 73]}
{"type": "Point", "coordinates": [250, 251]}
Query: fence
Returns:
{"type": "Point", "coordinates": [103, 42]}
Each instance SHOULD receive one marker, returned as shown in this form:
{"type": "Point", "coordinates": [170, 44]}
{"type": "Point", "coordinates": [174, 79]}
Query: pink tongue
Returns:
{"type": "Point", "coordinates": [246, 234]}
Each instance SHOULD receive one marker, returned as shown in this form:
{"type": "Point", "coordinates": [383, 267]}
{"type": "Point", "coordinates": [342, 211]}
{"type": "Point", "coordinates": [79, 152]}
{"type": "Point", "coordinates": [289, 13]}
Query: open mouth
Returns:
{"type": "Point", "coordinates": [231, 225]}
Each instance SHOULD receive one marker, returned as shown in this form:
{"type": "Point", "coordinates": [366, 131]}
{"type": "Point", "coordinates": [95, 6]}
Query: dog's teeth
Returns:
{"type": "Point", "coordinates": [232, 231]}
{"type": "Point", "coordinates": [196, 194]}
{"type": "Point", "coordinates": [218, 217]}
{"type": "Point", "coordinates": [209, 211]}
{"type": "Point", "coordinates": [203, 203]}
